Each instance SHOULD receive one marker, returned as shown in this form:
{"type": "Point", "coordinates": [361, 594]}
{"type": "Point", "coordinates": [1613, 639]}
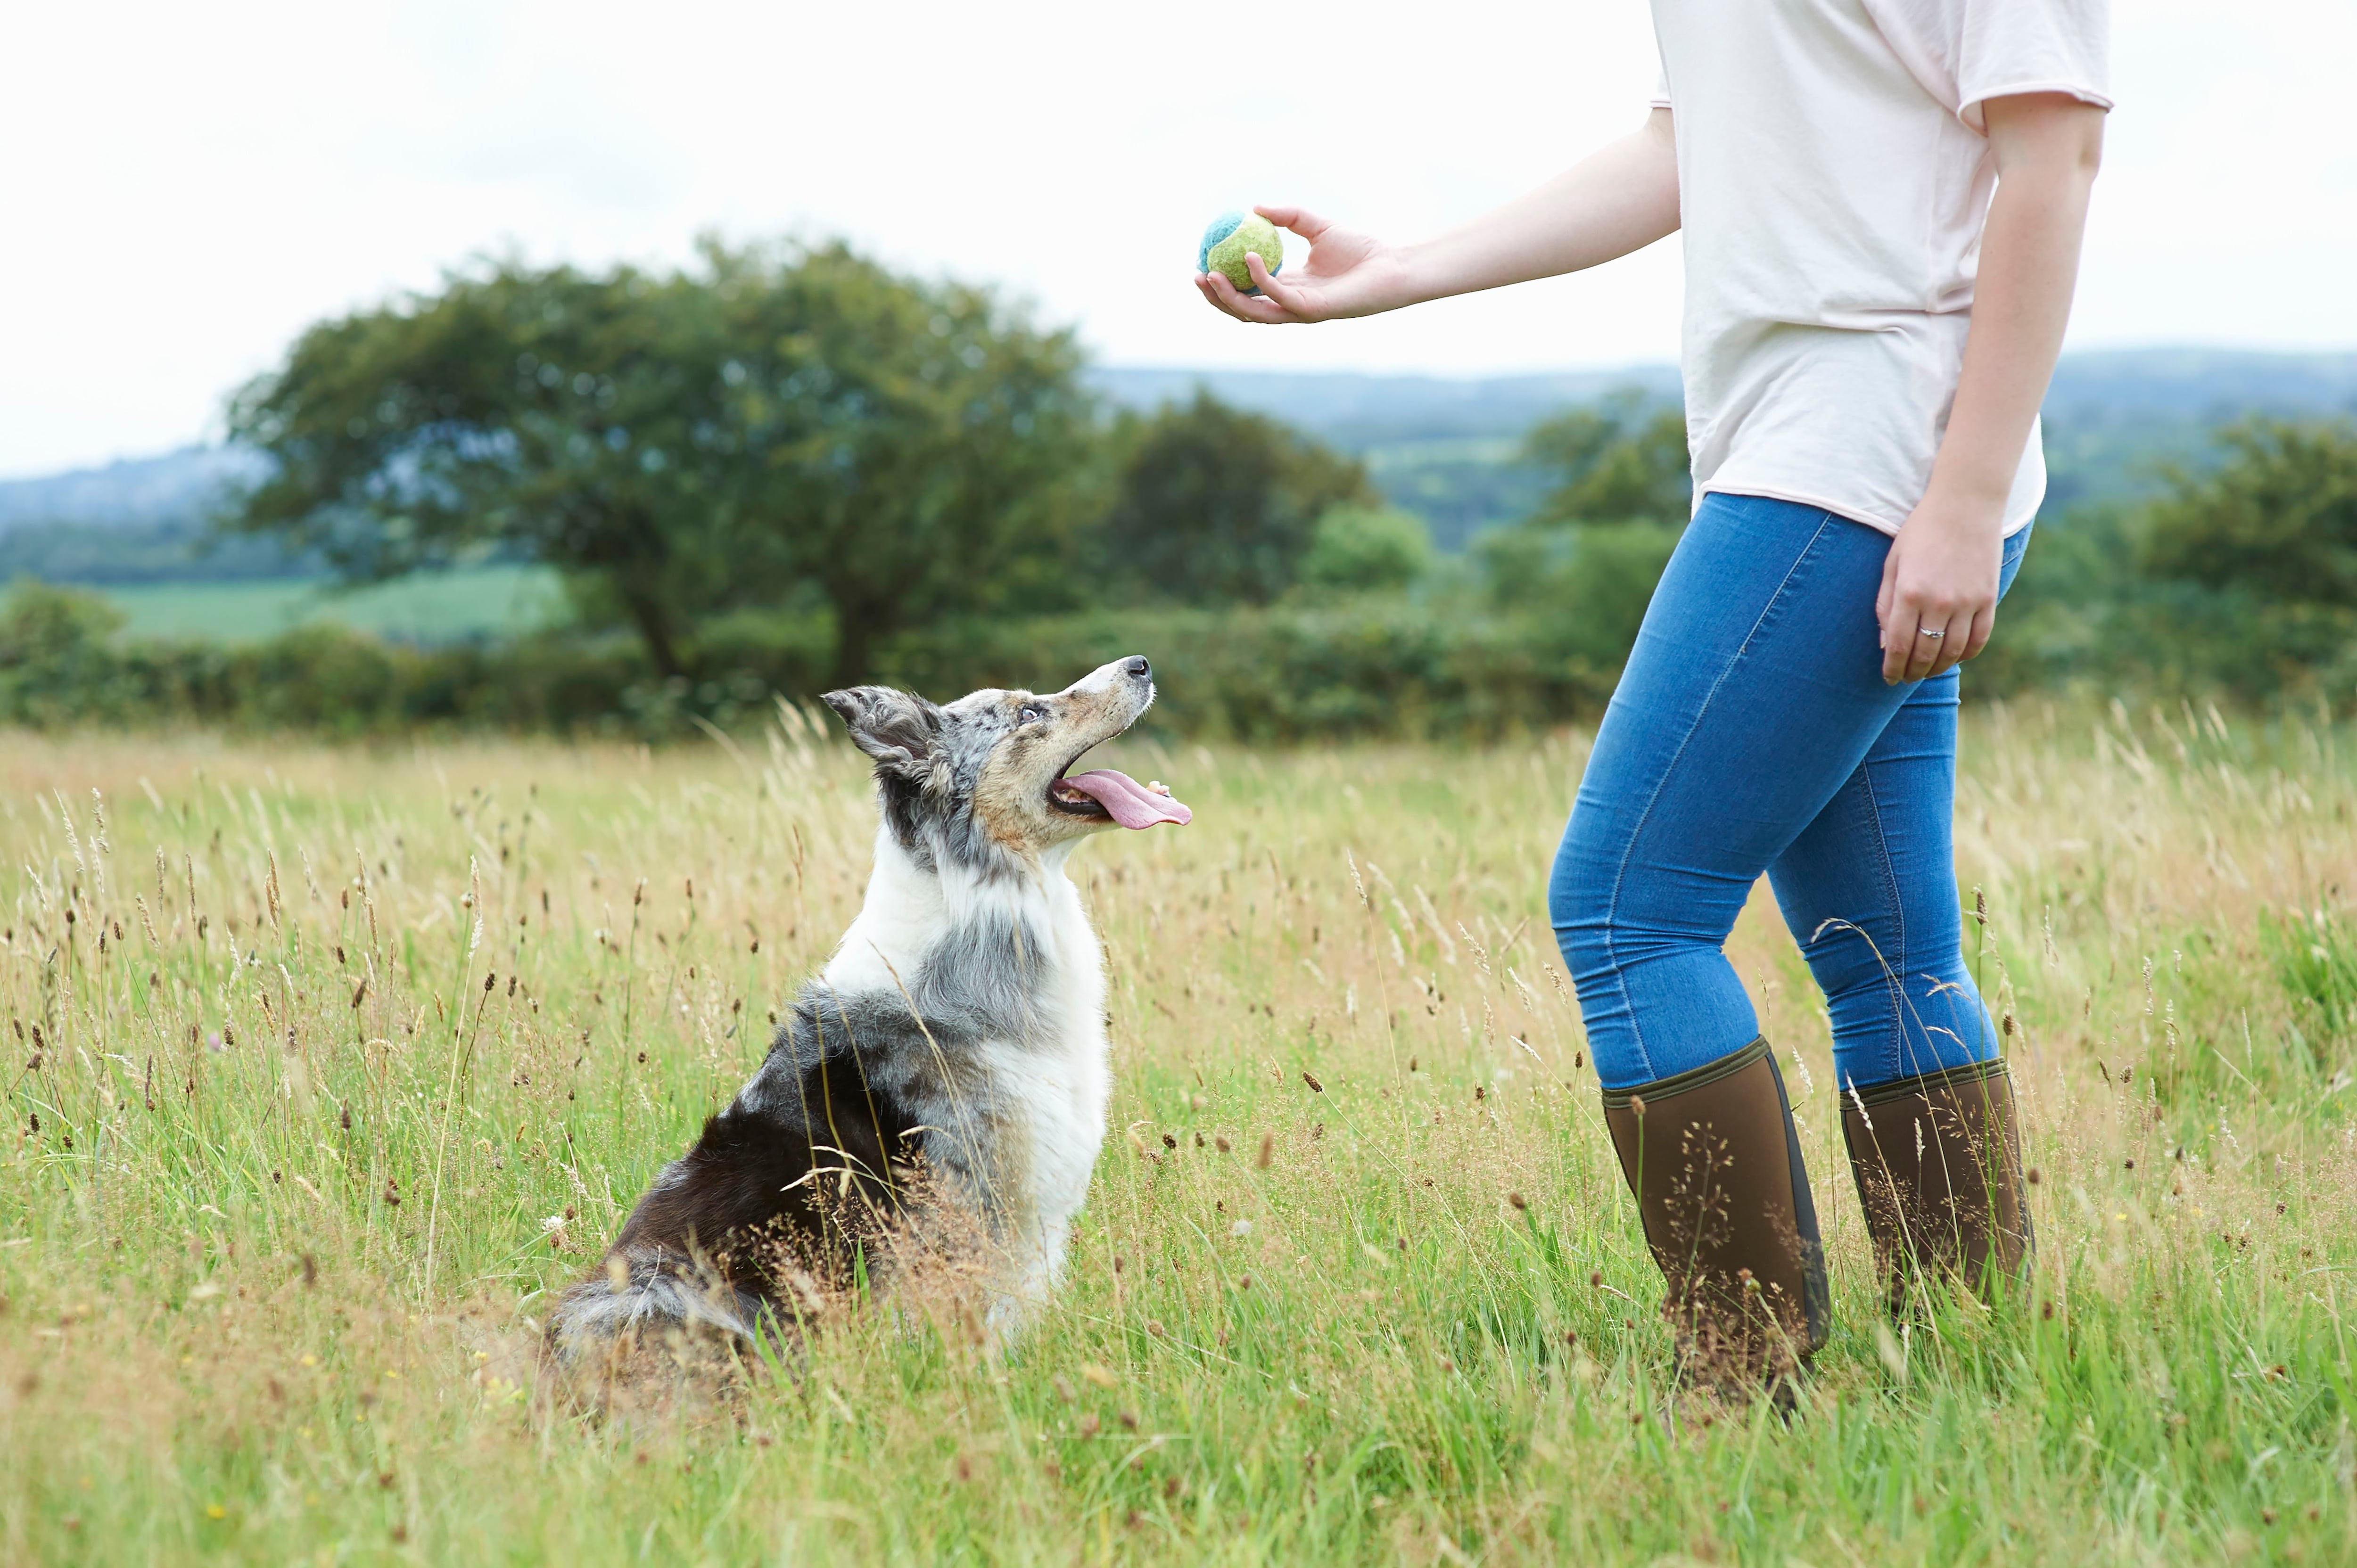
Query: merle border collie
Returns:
{"type": "Point", "coordinates": [952, 1054]}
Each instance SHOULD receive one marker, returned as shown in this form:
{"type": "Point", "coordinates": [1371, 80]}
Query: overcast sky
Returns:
{"type": "Point", "coordinates": [186, 185]}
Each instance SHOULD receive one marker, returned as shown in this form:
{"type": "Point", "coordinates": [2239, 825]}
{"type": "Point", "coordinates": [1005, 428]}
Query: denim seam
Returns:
{"type": "Point", "coordinates": [1897, 981]}
{"type": "Point", "coordinates": [1620, 870]}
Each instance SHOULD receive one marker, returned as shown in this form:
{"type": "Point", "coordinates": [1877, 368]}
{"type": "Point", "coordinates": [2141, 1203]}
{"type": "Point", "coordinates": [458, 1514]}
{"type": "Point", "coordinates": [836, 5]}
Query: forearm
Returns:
{"type": "Point", "coordinates": [1619, 199]}
{"type": "Point", "coordinates": [2028, 268]}
{"type": "Point", "coordinates": [1940, 582]}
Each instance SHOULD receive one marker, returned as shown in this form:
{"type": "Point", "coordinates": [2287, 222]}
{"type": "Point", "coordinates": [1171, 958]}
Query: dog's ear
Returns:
{"type": "Point", "coordinates": [897, 729]}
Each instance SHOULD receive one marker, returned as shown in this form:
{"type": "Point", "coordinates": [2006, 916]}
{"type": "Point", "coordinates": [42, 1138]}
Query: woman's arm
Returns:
{"type": "Point", "coordinates": [1619, 199]}
{"type": "Point", "coordinates": [1941, 571]}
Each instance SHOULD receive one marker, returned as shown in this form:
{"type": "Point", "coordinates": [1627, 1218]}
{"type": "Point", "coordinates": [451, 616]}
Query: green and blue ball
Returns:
{"type": "Point", "coordinates": [1229, 237]}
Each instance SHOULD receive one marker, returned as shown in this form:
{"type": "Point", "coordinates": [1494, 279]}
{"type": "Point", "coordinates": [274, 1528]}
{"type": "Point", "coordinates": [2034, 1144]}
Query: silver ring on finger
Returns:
{"type": "Point", "coordinates": [1927, 632]}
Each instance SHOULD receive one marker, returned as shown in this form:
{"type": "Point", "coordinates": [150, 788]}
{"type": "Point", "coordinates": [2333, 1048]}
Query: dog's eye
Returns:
{"type": "Point", "coordinates": [1031, 713]}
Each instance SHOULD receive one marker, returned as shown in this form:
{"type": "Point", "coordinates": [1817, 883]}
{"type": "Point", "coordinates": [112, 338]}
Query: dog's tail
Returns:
{"type": "Point", "coordinates": [647, 1292]}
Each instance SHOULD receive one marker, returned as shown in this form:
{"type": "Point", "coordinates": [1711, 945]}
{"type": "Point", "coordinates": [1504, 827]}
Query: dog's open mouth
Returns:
{"type": "Point", "coordinates": [1107, 793]}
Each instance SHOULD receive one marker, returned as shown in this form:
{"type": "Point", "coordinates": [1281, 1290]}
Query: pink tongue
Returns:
{"type": "Point", "coordinates": [1133, 805]}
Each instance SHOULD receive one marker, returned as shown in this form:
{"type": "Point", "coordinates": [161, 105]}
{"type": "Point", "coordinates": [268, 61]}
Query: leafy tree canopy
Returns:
{"type": "Point", "coordinates": [1367, 549]}
{"type": "Point", "coordinates": [1620, 461]}
{"type": "Point", "coordinates": [2278, 517]}
{"type": "Point", "coordinates": [1583, 566]}
{"type": "Point", "coordinates": [772, 420]}
{"type": "Point", "coordinates": [1215, 505]}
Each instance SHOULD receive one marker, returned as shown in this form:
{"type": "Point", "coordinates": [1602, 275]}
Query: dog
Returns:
{"type": "Point", "coordinates": [951, 1059]}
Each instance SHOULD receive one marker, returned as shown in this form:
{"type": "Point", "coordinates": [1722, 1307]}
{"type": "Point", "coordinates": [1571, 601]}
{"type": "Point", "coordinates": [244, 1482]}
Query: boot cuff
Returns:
{"type": "Point", "coordinates": [1927, 1084]}
{"type": "Point", "coordinates": [1710, 1072]}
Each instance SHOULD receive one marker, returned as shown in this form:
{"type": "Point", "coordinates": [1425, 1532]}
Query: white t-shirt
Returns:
{"type": "Point", "coordinates": [1834, 173]}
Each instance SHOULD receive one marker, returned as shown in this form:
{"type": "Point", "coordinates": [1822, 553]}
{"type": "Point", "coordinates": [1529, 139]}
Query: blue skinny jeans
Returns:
{"type": "Point", "coordinates": [1752, 732]}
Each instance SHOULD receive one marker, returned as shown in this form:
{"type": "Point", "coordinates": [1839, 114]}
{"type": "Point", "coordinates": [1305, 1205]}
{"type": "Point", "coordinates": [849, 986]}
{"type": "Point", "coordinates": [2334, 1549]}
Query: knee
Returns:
{"type": "Point", "coordinates": [1849, 961]}
{"type": "Point", "coordinates": [1579, 893]}
{"type": "Point", "coordinates": [1598, 927]}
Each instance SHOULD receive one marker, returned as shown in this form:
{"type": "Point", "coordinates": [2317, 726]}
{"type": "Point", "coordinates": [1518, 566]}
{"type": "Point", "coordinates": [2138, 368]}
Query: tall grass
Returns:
{"type": "Point", "coordinates": [325, 1066]}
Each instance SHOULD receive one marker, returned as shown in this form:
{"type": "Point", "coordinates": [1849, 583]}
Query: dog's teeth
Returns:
{"type": "Point", "coordinates": [1158, 786]}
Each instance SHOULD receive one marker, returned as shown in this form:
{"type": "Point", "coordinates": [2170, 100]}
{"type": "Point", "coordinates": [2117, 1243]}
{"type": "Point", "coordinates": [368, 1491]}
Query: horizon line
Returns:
{"type": "Point", "coordinates": [1649, 368]}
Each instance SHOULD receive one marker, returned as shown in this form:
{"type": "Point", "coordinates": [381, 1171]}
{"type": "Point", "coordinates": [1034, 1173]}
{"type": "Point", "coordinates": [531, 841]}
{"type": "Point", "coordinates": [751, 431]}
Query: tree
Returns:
{"type": "Point", "coordinates": [1215, 505]}
{"type": "Point", "coordinates": [1583, 587]}
{"type": "Point", "coordinates": [924, 450]}
{"type": "Point", "coordinates": [1582, 567]}
{"type": "Point", "coordinates": [677, 444]}
{"type": "Point", "coordinates": [1367, 549]}
{"type": "Point", "coordinates": [1619, 464]}
{"type": "Point", "coordinates": [2276, 518]}
{"type": "Point", "coordinates": [57, 661]}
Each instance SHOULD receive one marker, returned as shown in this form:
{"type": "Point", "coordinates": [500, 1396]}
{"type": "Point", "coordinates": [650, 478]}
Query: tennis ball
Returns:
{"type": "Point", "coordinates": [1229, 237]}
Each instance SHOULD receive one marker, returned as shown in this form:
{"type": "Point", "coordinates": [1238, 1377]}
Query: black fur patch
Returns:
{"type": "Point", "coordinates": [799, 1182]}
{"type": "Point", "coordinates": [905, 813]}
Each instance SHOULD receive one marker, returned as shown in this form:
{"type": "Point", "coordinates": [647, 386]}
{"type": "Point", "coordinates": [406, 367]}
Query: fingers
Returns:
{"type": "Point", "coordinates": [1236, 303]}
{"type": "Point", "coordinates": [1922, 642]}
{"type": "Point", "coordinates": [1924, 649]}
{"type": "Point", "coordinates": [1899, 618]}
{"type": "Point", "coordinates": [1899, 650]}
{"type": "Point", "coordinates": [1882, 603]}
{"type": "Point", "coordinates": [1947, 649]}
{"type": "Point", "coordinates": [1907, 654]}
{"type": "Point", "coordinates": [1284, 294]}
{"type": "Point", "coordinates": [1308, 225]}
{"type": "Point", "coordinates": [1983, 623]}
{"type": "Point", "coordinates": [1203, 285]}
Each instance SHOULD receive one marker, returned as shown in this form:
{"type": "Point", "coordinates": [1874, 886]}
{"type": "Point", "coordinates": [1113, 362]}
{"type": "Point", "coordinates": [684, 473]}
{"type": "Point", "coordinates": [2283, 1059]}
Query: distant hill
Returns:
{"type": "Point", "coordinates": [173, 488]}
{"type": "Point", "coordinates": [2115, 421]}
{"type": "Point", "coordinates": [2210, 385]}
{"type": "Point", "coordinates": [1443, 447]}
{"type": "Point", "coordinates": [142, 519]}
{"type": "Point", "coordinates": [1356, 411]}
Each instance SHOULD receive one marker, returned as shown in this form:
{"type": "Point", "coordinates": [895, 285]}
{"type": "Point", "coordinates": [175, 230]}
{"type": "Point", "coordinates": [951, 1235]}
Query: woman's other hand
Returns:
{"type": "Point", "coordinates": [1347, 274]}
{"type": "Point", "coordinates": [1938, 603]}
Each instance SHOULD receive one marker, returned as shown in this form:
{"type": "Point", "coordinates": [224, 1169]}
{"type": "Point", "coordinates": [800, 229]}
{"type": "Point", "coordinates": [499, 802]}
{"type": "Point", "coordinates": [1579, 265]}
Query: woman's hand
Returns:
{"type": "Point", "coordinates": [1347, 274]}
{"type": "Point", "coordinates": [1938, 602]}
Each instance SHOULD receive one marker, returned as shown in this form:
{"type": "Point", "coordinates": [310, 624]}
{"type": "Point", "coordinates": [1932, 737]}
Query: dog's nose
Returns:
{"type": "Point", "coordinates": [1137, 668]}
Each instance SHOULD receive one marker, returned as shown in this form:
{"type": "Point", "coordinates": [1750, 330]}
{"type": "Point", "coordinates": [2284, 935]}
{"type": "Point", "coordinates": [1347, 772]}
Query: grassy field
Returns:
{"type": "Point", "coordinates": [325, 1066]}
{"type": "Point", "coordinates": [444, 607]}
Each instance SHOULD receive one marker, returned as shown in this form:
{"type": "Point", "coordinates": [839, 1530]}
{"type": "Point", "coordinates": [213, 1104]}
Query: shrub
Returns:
{"type": "Point", "coordinates": [55, 656]}
{"type": "Point", "coordinates": [1367, 549]}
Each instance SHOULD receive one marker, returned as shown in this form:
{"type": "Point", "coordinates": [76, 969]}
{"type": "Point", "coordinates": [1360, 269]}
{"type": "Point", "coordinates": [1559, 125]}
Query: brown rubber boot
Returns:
{"type": "Point", "coordinates": [1938, 1162]}
{"type": "Point", "coordinates": [1715, 1161]}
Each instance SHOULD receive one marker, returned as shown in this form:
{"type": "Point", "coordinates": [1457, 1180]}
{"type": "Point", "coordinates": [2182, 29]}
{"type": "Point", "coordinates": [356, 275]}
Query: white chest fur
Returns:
{"type": "Point", "coordinates": [1050, 1086]}
{"type": "Point", "coordinates": [1062, 1086]}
